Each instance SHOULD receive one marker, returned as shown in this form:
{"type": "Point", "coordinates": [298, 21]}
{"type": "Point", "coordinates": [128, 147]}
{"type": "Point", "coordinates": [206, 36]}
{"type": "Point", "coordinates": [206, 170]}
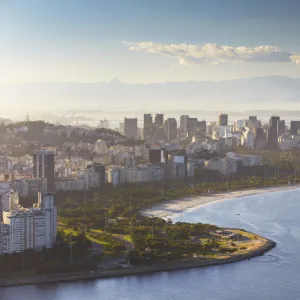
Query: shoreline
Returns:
{"type": "Point", "coordinates": [165, 210]}
{"type": "Point", "coordinates": [163, 267]}
{"type": "Point", "coordinates": [172, 208]}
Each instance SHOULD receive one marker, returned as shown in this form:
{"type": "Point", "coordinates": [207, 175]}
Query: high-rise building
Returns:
{"type": "Point", "coordinates": [30, 228]}
{"type": "Point", "coordinates": [170, 129]}
{"type": "Point", "coordinates": [281, 127]}
{"type": "Point", "coordinates": [148, 127]}
{"type": "Point", "coordinates": [159, 121]}
{"type": "Point", "coordinates": [43, 167]}
{"type": "Point", "coordinates": [272, 142]}
{"type": "Point", "coordinates": [4, 238]}
{"type": "Point", "coordinates": [184, 125]}
{"type": "Point", "coordinates": [295, 128]}
{"type": "Point", "coordinates": [47, 205]}
{"type": "Point", "coordinates": [130, 128]}
{"type": "Point", "coordinates": [223, 120]}
{"type": "Point", "coordinates": [192, 126]}
{"type": "Point", "coordinates": [253, 119]}
{"type": "Point", "coordinates": [9, 200]}
{"type": "Point", "coordinates": [100, 169]}
{"type": "Point", "coordinates": [201, 129]}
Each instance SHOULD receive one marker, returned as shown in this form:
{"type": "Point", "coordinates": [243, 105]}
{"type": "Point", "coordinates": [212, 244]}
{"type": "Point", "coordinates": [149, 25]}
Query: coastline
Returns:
{"type": "Point", "coordinates": [163, 267]}
{"type": "Point", "coordinates": [165, 210]}
{"type": "Point", "coordinates": [175, 207]}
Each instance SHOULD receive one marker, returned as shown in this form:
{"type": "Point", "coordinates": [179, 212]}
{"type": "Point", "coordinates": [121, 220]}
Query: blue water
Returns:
{"type": "Point", "coordinates": [275, 275]}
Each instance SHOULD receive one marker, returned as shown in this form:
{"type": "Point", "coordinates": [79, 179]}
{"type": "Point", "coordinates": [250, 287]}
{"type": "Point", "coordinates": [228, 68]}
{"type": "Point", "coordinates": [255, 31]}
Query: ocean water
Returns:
{"type": "Point", "coordinates": [276, 275]}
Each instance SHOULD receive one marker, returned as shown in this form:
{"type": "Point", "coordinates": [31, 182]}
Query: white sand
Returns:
{"type": "Point", "coordinates": [174, 207]}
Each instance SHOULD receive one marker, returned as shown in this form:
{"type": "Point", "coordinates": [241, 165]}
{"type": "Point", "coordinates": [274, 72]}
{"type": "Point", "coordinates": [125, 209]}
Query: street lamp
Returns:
{"type": "Point", "coordinates": [238, 219]}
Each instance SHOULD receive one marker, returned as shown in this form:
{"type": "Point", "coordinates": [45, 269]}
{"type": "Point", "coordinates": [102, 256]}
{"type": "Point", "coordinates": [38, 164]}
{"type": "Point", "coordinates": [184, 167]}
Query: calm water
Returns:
{"type": "Point", "coordinates": [273, 276]}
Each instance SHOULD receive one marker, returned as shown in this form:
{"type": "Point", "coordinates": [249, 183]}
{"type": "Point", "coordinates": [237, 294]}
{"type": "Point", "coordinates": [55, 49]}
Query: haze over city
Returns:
{"type": "Point", "coordinates": [149, 149]}
{"type": "Point", "coordinates": [109, 55]}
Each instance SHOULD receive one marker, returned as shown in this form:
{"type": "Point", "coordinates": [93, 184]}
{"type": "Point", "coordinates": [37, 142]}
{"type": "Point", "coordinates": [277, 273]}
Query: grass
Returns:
{"type": "Point", "coordinates": [97, 241]}
{"type": "Point", "coordinates": [128, 238]}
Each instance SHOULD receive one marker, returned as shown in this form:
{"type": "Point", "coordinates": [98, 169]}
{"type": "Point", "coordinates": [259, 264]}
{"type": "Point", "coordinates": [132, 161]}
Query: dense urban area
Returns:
{"type": "Point", "coordinates": [71, 197]}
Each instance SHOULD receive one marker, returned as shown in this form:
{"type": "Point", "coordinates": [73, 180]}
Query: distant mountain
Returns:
{"type": "Point", "coordinates": [259, 93]}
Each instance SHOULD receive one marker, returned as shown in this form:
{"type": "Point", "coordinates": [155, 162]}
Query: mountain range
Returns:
{"type": "Point", "coordinates": [259, 93]}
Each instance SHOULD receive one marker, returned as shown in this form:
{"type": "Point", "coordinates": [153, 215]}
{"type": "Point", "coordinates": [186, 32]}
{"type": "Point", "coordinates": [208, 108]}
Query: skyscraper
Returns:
{"type": "Point", "coordinates": [295, 127]}
{"type": "Point", "coordinates": [184, 125]}
{"type": "Point", "coordinates": [159, 121]}
{"type": "Point", "coordinates": [260, 139]}
{"type": "Point", "coordinates": [170, 129]}
{"type": "Point", "coordinates": [148, 127]}
{"type": "Point", "coordinates": [130, 128]}
{"type": "Point", "coordinates": [201, 128]}
{"type": "Point", "coordinates": [223, 120]}
{"type": "Point", "coordinates": [253, 119]}
{"type": "Point", "coordinates": [272, 142]}
{"type": "Point", "coordinates": [192, 124]}
{"type": "Point", "coordinates": [43, 167]}
{"type": "Point", "coordinates": [281, 127]}
{"type": "Point", "coordinates": [31, 228]}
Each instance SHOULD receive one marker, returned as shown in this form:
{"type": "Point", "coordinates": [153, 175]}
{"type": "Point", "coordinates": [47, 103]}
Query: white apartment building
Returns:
{"type": "Point", "coordinates": [224, 165]}
{"type": "Point", "coordinates": [247, 160]}
{"type": "Point", "coordinates": [144, 173]}
{"type": "Point", "coordinates": [9, 200]}
{"type": "Point", "coordinates": [288, 141]}
{"type": "Point", "coordinates": [30, 187]}
{"type": "Point", "coordinates": [248, 139]}
{"type": "Point", "coordinates": [30, 228]}
{"type": "Point", "coordinates": [4, 238]}
{"type": "Point", "coordinates": [251, 160]}
{"type": "Point", "coordinates": [69, 184]}
{"type": "Point", "coordinates": [115, 174]}
{"type": "Point", "coordinates": [91, 179]}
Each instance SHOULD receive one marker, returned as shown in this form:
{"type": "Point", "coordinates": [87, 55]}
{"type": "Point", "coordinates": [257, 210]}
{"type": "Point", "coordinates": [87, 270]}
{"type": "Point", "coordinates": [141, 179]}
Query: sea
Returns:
{"type": "Point", "coordinates": [273, 276]}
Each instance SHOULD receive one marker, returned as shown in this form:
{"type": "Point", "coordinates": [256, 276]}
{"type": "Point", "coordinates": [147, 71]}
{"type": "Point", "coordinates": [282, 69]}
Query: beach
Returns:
{"type": "Point", "coordinates": [171, 208]}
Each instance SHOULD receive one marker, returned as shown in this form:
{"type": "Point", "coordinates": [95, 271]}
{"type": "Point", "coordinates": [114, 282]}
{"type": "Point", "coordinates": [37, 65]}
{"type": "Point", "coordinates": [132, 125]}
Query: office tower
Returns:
{"type": "Point", "coordinates": [159, 121]}
{"type": "Point", "coordinates": [184, 125]}
{"type": "Point", "coordinates": [253, 119]}
{"type": "Point", "coordinates": [281, 127]}
{"type": "Point", "coordinates": [201, 129]}
{"type": "Point", "coordinates": [130, 128]}
{"type": "Point", "coordinates": [170, 129]}
{"type": "Point", "coordinates": [192, 126]}
{"type": "Point", "coordinates": [223, 120]}
{"type": "Point", "coordinates": [43, 167]}
{"type": "Point", "coordinates": [295, 127]}
{"type": "Point", "coordinates": [272, 142]}
{"type": "Point", "coordinates": [148, 127]}
{"type": "Point", "coordinates": [158, 156]}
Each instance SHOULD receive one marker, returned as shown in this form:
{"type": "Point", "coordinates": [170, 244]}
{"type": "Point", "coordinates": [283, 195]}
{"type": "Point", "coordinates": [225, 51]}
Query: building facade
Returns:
{"type": "Point", "coordinates": [43, 167]}
{"type": "Point", "coordinates": [130, 128]}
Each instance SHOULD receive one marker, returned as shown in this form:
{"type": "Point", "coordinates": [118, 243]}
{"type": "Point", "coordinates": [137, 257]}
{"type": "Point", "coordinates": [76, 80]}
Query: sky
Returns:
{"type": "Point", "coordinates": [142, 41]}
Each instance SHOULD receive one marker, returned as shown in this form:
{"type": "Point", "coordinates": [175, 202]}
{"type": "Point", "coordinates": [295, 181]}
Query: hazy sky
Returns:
{"type": "Point", "coordinates": [147, 40]}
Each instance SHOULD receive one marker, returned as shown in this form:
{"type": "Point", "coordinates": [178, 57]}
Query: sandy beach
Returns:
{"type": "Point", "coordinates": [174, 207]}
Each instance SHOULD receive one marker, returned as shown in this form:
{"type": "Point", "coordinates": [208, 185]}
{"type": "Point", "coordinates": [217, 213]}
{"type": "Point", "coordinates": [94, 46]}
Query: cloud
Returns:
{"type": "Point", "coordinates": [188, 54]}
